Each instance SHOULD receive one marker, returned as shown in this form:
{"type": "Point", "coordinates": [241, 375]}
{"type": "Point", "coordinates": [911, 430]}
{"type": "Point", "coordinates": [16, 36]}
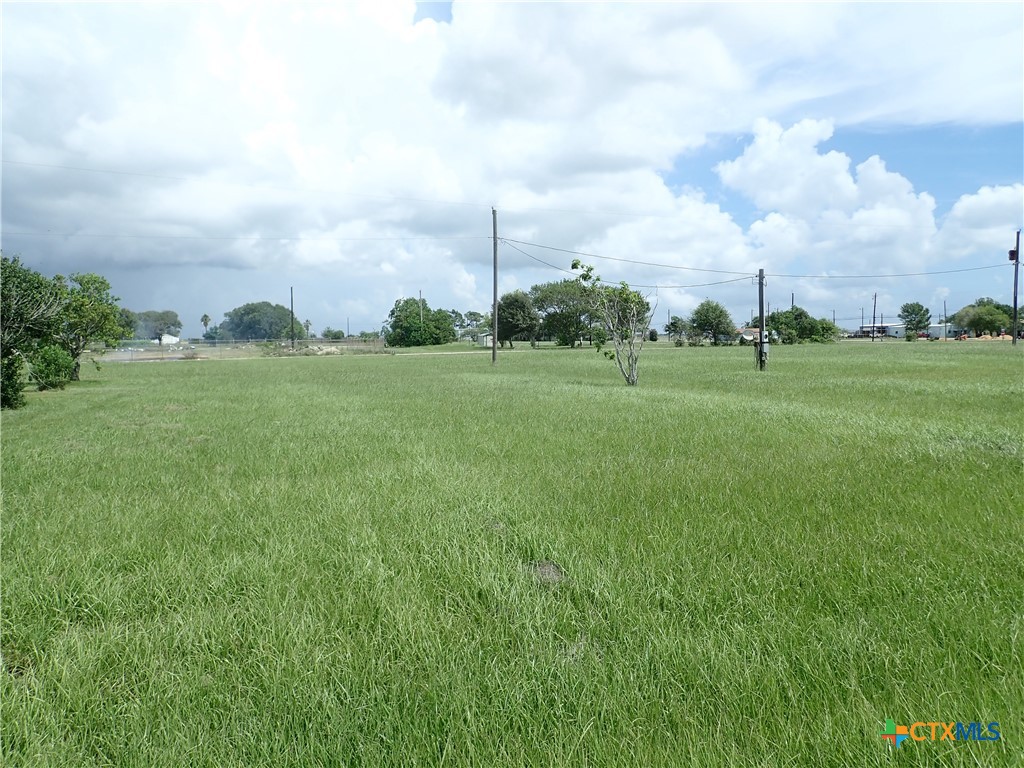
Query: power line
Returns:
{"type": "Point", "coordinates": [748, 274]}
{"type": "Point", "coordinates": [629, 261]}
{"type": "Point", "coordinates": [254, 238]}
{"type": "Point", "coordinates": [632, 285]}
{"type": "Point", "coordinates": [503, 241]}
{"type": "Point", "coordinates": [874, 277]}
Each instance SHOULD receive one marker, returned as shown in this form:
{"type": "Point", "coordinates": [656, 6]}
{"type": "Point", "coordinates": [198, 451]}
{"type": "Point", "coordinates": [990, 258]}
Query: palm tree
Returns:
{"type": "Point", "coordinates": [307, 325]}
{"type": "Point", "coordinates": [205, 320]}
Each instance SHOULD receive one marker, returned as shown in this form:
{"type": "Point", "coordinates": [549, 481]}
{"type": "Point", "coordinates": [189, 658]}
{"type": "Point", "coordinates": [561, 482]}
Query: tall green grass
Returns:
{"type": "Point", "coordinates": [342, 561]}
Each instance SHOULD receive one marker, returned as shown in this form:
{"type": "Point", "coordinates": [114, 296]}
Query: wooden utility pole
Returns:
{"type": "Point", "coordinates": [1015, 258]}
{"type": "Point", "coordinates": [874, 308]}
{"type": "Point", "coordinates": [762, 338]}
{"type": "Point", "coordinates": [291, 301]}
{"type": "Point", "coordinates": [494, 306]}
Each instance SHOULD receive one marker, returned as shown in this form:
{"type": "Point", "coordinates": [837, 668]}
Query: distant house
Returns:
{"type": "Point", "coordinates": [166, 340]}
{"type": "Point", "coordinates": [944, 330]}
{"type": "Point", "coordinates": [881, 330]}
{"type": "Point", "coordinates": [484, 339]}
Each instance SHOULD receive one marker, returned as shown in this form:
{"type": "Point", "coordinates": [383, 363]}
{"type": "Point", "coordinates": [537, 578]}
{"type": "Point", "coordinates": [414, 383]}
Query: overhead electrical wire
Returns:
{"type": "Point", "coordinates": [875, 277]}
{"type": "Point", "coordinates": [254, 238]}
{"type": "Point", "coordinates": [627, 261]}
{"type": "Point", "coordinates": [633, 285]}
{"type": "Point", "coordinates": [749, 274]}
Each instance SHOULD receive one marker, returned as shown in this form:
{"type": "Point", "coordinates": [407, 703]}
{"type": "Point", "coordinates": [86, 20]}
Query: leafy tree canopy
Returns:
{"type": "Point", "coordinates": [982, 318]}
{"type": "Point", "coordinates": [154, 324]}
{"type": "Point", "coordinates": [89, 313]}
{"type": "Point", "coordinates": [987, 318]}
{"type": "Point", "coordinates": [565, 307]}
{"type": "Point", "coordinates": [713, 321]}
{"type": "Point", "coordinates": [676, 327]}
{"type": "Point", "coordinates": [411, 323]}
{"type": "Point", "coordinates": [915, 317]}
{"type": "Point", "coordinates": [796, 326]}
{"type": "Point", "coordinates": [624, 315]}
{"type": "Point", "coordinates": [29, 307]}
{"type": "Point", "coordinates": [260, 320]}
{"type": "Point", "coordinates": [517, 318]}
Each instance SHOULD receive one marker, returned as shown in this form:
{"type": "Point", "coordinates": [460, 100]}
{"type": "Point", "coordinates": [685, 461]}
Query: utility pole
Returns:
{"type": "Point", "coordinates": [874, 307]}
{"type": "Point", "coordinates": [945, 322]}
{"type": "Point", "coordinates": [1015, 258]}
{"type": "Point", "coordinates": [494, 307]}
{"type": "Point", "coordinates": [792, 300]}
{"type": "Point", "coordinates": [833, 317]}
{"type": "Point", "coordinates": [291, 300]}
{"type": "Point", "coordinates": [762, 338]}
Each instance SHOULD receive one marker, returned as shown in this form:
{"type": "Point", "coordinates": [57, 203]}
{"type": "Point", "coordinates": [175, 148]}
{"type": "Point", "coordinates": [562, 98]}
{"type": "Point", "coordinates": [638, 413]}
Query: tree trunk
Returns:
{"type": "Point", "coordinates": [74, 371]}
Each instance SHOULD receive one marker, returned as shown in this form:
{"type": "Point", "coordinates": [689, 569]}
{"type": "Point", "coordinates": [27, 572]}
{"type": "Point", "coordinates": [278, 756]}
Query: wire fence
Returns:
{"type": "Point", "coordinates": [146, 350]}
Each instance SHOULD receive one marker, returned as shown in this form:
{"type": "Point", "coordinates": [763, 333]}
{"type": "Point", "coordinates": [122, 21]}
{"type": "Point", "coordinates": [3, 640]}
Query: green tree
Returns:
{"type": "Point", "coordinates": [624, 314]}
{"type": "Point", "coordinates": [458, 319]}
{"type": "Point", "coordinates": [712, 320]}
{"type": "Point", "coordinates": [916, 318]}
{"type": "Point", "coordinates": [129, 322]}
{"type": "Point", "coordinates": [983, 318]}
{"type": "Point", "coordinates": [796, 326]}
{"type": "Point", "coordinates": [473, 319]}
{"type": "Point", "coordinates": [51, 367]}
{"type": "Point", "coordinates": [676, 327]}
{"type": "Point", "coordinates": [1006, 309]}
{"type": "Point", "coordinates": [205, 320]}
{"type": "Point", "coordinates": [411, 323]}
{"type": "Point", "coordinates": [260, 320]}
{"type": "Point", "coordinates": [564, 307]}
{"type": "Point", "coordinates": [517, 319]}
{"type": "Point", "coordinates": [155, 324]}
{"type": "Point", "coordinates": [89, 313]}
{"type": "Point", "coordinates": [29, 310]}
{"type": "Point", "coordinates": [215, 333]}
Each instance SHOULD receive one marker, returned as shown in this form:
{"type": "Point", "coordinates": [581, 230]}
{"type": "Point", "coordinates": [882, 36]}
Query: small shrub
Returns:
{"type": "Point", "coordinates": [52, 367]}
{"type": "Point", "coordinates": [652, 335]}
{"type": "Point", "coordinates": [11, 383]}
{"type": "Point", "coordinates": [189, 354]}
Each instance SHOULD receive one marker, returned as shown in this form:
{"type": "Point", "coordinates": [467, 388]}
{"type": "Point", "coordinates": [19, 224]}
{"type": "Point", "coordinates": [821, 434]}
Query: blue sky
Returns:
{"type": "Point", "coordinates": [202, 156]}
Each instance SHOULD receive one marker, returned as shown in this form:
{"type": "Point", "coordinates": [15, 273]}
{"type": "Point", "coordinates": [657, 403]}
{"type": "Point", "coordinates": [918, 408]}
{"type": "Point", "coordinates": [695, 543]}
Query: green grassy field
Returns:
{"type": "Point", "coordinates": [424, 560]}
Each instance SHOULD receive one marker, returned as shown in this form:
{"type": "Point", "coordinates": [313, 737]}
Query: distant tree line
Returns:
{"type": "Point", "coordinates": [256, 320]}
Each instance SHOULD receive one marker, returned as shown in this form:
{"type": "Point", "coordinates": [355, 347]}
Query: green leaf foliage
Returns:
{"type": "Point", "coordinates": [517, 319]}
{"type": "Point", "coordinates": [565, 308]}
{"type": "Point", "coordinates": [29, 307]}
{"type": "Point", "coordinates": [624, 315]}
{"type": "Point", "coordinates": [916, 318]}
{"type": "Point", "coordinates": [260, 320]}
{"type": "Point", "coordinates": [89, 313]}
{"type": "Point", "coordinates": [411, 323]}
{"type": "Point", "coordinates": [796, 326]}
{"type": "Point", "coordinates": [154, 324]}
{"type": "Point", "coordinates": [712, 321]}
{"type": "Point", "coordinates": [52, 367]}
{"type": "Point", "coordinates": [985, 315]}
